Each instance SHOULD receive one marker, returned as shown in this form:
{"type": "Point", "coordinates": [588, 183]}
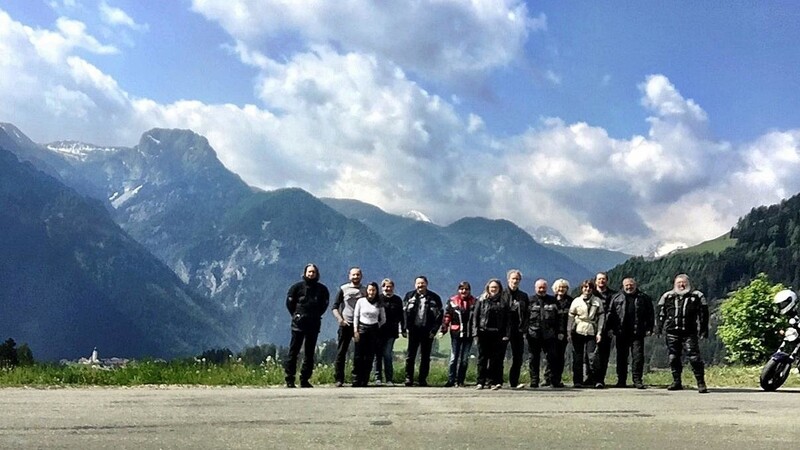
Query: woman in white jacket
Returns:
{"type": "Point", "coordinates": [584, 325]}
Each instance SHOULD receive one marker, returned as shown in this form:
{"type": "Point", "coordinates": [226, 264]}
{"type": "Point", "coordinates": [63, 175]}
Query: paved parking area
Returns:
{"type": "Point", "coordinates": [326, 417]}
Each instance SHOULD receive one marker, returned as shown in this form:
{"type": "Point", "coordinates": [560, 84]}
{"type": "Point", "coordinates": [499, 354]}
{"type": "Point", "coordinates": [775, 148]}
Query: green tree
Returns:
{"type": "Point", "coordinates": [750, 322]}
{"type": "Point", "coordinates": [25, 355]}
{"type": "Point", "coordinates": [8, 353]}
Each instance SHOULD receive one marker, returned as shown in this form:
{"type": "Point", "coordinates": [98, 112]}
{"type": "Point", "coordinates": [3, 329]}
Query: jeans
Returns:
{"type": "Point", "coordinates": [308, 341]}
{"type": "Point", "coordinates": [459, 358]}
{"type": "Point", "coordinates": [490, 358]}
{"type": "Point", "coordinates": [343, 345]}
{"type": "Point", "coordinates": [384, 359]}
{"type": "Point", "coordinates": [634, 345]}
{"type": "Point", "coordinates": [517, 342]}
{"type": "Point", "coordinates": [584, 346]}
{"type": "Point", "coordinates": [419, 339]}
{"type": "Point", "coordinates": [364, 354]}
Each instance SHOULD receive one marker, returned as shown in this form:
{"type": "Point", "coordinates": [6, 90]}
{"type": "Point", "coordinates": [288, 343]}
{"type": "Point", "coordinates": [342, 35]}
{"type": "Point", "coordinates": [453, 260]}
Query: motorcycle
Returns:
{"type": "Point", "coordinates": [777, 369]}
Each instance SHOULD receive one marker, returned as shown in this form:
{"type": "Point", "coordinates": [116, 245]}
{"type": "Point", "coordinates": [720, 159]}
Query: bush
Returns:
{"type": "Point", "coordinates": [751, 322]}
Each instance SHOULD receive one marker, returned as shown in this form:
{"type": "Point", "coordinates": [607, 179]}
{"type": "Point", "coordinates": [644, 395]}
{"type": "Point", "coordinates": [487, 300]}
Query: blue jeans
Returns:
{"type": "Point", "coordinates": [384, 359]}
{"type": "Point", "coordinates": [459, 359]}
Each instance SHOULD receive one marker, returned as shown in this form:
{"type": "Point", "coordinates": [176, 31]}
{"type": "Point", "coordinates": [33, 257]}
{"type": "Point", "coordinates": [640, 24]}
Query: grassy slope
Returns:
{"type": "Point", "coordinates": [715, 246]}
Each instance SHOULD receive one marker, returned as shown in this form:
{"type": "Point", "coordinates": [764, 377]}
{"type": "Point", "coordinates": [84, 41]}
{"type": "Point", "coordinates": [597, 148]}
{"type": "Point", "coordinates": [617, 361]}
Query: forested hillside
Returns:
{"type": "Point", "coordinates": [767, 240]}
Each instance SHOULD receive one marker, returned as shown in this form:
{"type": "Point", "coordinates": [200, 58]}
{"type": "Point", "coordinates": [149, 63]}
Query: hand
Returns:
{"type": "Point", "coordinates": [703, 335]}
{"type": "Point", "coordinates": [356, 336]}
{"type": "Point", "coordinates": [505, 338]}
{"type": "Point", "coordinates": [433, 335]}
{"type": "Point", "coordinates": [649, 333]}
{"type": "Point", "coordinates": [342, 323]}
{"type": "Point", "coordinates": [560, 337]}
{"type": "Point", "coordinates": [599, 338]}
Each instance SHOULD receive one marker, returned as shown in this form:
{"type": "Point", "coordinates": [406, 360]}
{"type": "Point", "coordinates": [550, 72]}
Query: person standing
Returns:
{"type": "Point", "coordinates": [368, 317]}
{"type": "Point", "coordinates": [457, 314]}
{"type": "Point", "coordinates": [585, 320]}
{"type": "Point", "coordinates": [343, 310]}
{"type": "Point", "coordinates": [564, 300]}
{"type": "Point", "coordinates": [307, 302]}
{"type": "Point", "coordinates": [423, 309]}
{"type": "Point", "coordinates": [683, 316]}
{"type": "Point", "coordinates": [631, 318]}
{"type": "Point", "coordinates": [490, 322]}
{"type": "Point", "coordinates": [604, 293]}
{"type": "Point", "coordinates": [395, 321]}
{"type": "Point", "coordinates": [517, 300]}
{"type": "Point", "coordinates": [544, 328]}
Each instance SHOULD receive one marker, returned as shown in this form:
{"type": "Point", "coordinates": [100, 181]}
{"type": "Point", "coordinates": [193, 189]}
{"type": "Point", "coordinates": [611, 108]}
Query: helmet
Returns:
{"type": "Point", "coordinates": [785, 299]}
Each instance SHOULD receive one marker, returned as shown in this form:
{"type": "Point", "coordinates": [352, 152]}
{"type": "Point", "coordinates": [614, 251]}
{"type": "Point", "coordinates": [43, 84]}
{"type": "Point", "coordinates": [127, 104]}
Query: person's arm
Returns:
{"type": "Point", "coordinates": [601, 321]}
{"type": "Point", "coordinates": [702, 316]}
{"type": "Point", "coordinates": [661, 316]}
{"type": "Point", "coordinates": [381, 316]}
{"type": "Point", "coordinates": [402, 323]}
{"type": "Point", "coordinates": [337, 305]}
{"type": "Point", "coordinates": [437, 319]}
{"type": "Point", "coordinates": [448, 317]}
{"type": "Point", "coordinates": [573, 310]}
{"type": "Point", "coordinates": [356, 320]}
{"type": "Point", "coordinates": [291, 301]}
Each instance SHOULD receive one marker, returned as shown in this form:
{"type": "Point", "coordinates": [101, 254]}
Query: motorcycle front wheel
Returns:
{"type": "Point", "coordinates": [774, 374]}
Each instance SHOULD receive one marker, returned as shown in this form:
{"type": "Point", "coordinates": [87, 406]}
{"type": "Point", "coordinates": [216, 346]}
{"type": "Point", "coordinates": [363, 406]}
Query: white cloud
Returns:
{"type": "Point", "coordinates": [552, 77]}
{"type": "Point", "coordinates": [352, 124]}
{"type": "Point", "coordinates": [440, 39]}
{"type": "Point", "coordinates": [117, 17]}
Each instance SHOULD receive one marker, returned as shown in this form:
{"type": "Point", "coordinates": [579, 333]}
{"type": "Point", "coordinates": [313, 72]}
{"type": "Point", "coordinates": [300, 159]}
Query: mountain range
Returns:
{"type": "Point", "coordinates": [235, 249]}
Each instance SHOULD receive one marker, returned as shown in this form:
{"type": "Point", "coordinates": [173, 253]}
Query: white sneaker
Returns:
{"type": "Point", "coordinates": [378, 383]}
{"type": "Point", "coordinates": [497, 387]}
{"type": "Point", "coordinates": [389, 383]}
{"type": "Point", "coordinates": [479, 387]}
{"type": "Point", "coordinates": [520, 386]}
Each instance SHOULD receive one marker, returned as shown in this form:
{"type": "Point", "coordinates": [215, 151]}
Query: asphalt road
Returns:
{"type": "Point", "coordinates": [397, 417]}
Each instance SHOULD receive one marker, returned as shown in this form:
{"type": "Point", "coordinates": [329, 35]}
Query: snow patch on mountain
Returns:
{"type": "Point", "coordinates": [549, 235]}
{"type": "Point", "coordinates": [77, 150]}
{"type": "Point", "coordinates": [119, 198]}
{"type": "Point", "coordinates": [416, 215]}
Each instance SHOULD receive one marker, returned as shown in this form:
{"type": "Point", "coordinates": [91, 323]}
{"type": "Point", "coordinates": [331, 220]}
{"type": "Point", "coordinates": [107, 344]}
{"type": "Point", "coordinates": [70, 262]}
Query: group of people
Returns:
{"type": "Point", "coordinates": [373, 317]}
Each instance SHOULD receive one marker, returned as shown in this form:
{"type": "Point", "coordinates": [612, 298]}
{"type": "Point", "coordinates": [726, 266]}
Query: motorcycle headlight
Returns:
{"type": "Point", "coordinates": [791, 334]}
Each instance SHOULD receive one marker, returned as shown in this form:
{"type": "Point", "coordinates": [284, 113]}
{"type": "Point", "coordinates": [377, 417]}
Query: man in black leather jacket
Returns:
{"type": "Point", "coordinates": [683, 316]}
{"type": "Point", "coordinates": [423, 309]}
{"type": "Point", "coordinates": [306, 301]}
{"type": "Point", "coordinates": [631, 318]}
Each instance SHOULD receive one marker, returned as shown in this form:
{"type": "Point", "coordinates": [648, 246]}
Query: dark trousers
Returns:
{"type": "Point", "coordinates": [343, 345]}
{"type": "Point", "coordinates": [536, 346]}
{"type": "Point", "coordinates": [553, 373]}
{"type": "Point", "coordinates": [308, 342]}
{"type": "Point", "coordinates": [635, 346]}
{"type": "Point", "coordinates": [676, 344]}
{"type": "Point", "coordinates": [364, 355]}
{"type": "Point", "coordinates": [603, 355]}
{"type": "Point", "coordinates": [459, 359]}
{"type": "Point", "coordinates": [584, 347]}
{"type": "Point", "coordinates": [419, 339]}
{"type": "Point", "coordinates": [517, 342]}
{"type": "Point", "coordinates": [491, 352]}
{"type": "Point", "coordinates": [384, 359]}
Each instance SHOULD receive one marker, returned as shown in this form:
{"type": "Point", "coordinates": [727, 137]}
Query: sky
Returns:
{"type": "Point", "coordinates": [624, 125]}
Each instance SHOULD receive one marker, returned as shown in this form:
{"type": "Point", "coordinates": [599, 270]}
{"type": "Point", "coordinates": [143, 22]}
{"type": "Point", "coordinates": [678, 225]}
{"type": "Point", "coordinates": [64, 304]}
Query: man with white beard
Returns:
{"type": "Point", "coordinates": [683, 316]}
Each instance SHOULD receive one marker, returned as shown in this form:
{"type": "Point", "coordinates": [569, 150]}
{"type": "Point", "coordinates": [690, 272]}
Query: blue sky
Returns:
{"type": "Point", "coordinates": [492, 108]}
